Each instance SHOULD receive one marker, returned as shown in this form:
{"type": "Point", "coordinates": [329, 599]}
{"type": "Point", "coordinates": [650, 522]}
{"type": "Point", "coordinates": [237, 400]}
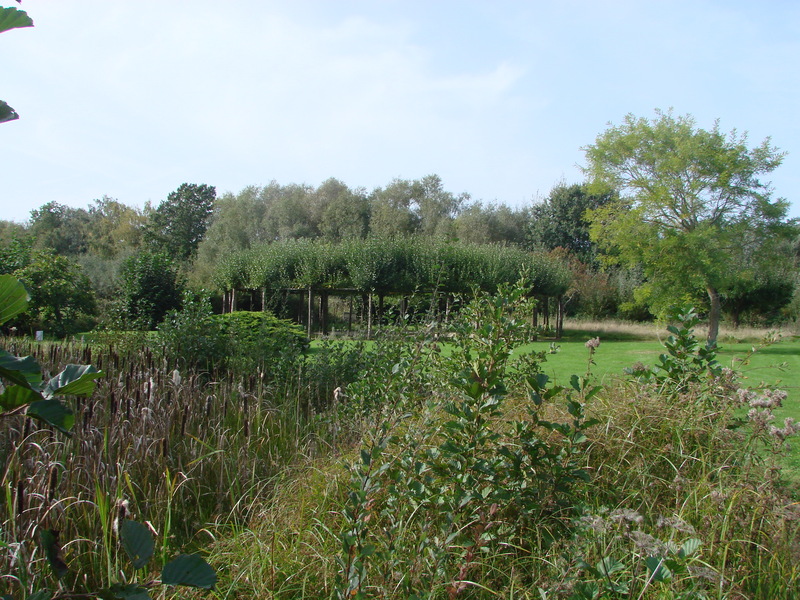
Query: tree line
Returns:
{"type": "Point", "coordinates": [669, 213]}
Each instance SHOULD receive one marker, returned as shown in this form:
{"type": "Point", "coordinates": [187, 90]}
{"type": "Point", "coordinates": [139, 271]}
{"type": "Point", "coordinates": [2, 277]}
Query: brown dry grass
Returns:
{"type": "Point", "coordinates": [656, 330]}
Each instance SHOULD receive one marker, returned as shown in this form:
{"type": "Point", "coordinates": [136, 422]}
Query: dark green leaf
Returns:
{"type": "Point", "coordinates": [191, 570]}
{"type": "Point", "coordinates": [53, 413]}
{"type": "Point", "coordinates": [16, 396]}
{"type": "Point", "coordinates": [366, 457]}
{"type": "Point", "coordinates": [689, 547]}
{"type": "Point", "coordinates": [52, 550]}
{"type": "Point", "coordinates": [24, 371]}
{"type": "Point", "coordinates": [657, 569]}
{"type": "Point", "coordinates": [13, 18]}
{"type": "Point", "coordinates": [609, 565]}
{"type": "Point", "coordinates": [14, 297]}
{"type": "Point", "coordinates": [41, 595]}
{"type": "Point", "coordinates": [124, 591]}
{"type": "Point", "coordinates": [137, 541]}
{"type": "Point", "coordinates": [74, 380]}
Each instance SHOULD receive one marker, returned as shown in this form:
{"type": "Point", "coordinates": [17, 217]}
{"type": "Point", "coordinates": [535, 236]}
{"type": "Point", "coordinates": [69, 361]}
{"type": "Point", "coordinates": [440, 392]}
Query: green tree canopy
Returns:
{"type": "Point", "coordinates": [559, 221]}
{"type": "Point", "coordinates": [62, 301]}
{"type": "Point", "coordinates": [149, 288]}
{"type": "Point", "coordinates": [688, 198]}
{"type": "Point", "coordinates": [180, 222]}
{"type": "Point", "coordinates": [62, 228]}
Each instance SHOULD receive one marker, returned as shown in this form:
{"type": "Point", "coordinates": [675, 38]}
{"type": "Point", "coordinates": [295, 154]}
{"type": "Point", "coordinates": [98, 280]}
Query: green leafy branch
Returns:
{"type": "Point", "coordinates": [25, 391]}
{"type": "Point", "coordinates": [11, 18]}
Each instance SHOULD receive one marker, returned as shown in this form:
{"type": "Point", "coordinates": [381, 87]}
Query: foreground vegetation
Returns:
{"type": "Point", "coordinates": [395, 469]}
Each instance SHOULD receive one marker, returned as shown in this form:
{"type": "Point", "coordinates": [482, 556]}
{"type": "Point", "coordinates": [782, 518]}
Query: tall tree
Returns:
{"type": "Point", "coordinates": [688, 198]}
{"type": "Point", "coordinates": [436, 207]}
{"type": "Point", "coordinates": [62, 228]}
{"type": "Point", "coordinates": [180, 222]}
{"type": "Point", "coordinates": [62, 300]}
{"type": "Point", "coordinates": [559, 221]}
{"type": "Point", "coordinates": [345, 212]}
{"type": "Point", "coordinates": [114, 227]}
{"type": "Point", "coordinates": [392, 209]}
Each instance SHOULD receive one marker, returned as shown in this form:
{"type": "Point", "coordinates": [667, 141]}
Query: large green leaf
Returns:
{"type": "Point", "coordinates": [12, 18]}
{"type": "Point", "coordinates": [74, 380]}
{"type": "Point", "coordinates": [52, 550]}
{"type": "Point", "coordinates": [24, 371]}
{"type": "Point", "coordinates": [53, 413]}
{"type": "Point", "coordinates": [137, 542]}
{"type": "Point", "coordinates": [124, 591]}
{"type": "Point", "coordinates": [13, 295]}
{"type": "Point", "coordinates": [17, 395]}
{"type": "Point", "coordinates": [191, 570]}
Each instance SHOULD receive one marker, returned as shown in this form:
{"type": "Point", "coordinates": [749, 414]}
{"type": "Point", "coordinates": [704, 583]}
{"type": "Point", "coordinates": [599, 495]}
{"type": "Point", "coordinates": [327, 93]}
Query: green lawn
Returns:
{"type": "Point", "coordinates": [777, 364]}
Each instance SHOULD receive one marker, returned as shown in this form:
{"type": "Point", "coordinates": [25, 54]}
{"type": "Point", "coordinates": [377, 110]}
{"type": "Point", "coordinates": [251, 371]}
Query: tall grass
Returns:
{"type": "Point", "coordinates": [180, 450]}
{"type": "Point", "coordinates": [251, 467]}
{"type": "Point", "coordinates": [683, 502]}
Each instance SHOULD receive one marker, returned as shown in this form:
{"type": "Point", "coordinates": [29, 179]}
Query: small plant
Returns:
{"type": "Point", "coordinates": [663, 566]}
{"type": "Point", "coordinates": [687, 362]}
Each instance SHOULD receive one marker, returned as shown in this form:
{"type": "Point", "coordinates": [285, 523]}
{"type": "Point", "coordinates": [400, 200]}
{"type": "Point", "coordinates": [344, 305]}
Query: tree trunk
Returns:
{"type": "Point", "coordinates": [323, 312]}
{"type": "Point", "coordinates": [713, 314]}
{"type": "Point", "coordinates": [369, 316]}
{"type": "Point", "coordinates": [310, 310]}
{"type": "Point", "coordinates": [350, 316]}
{"type": "Point", "coordinates": [560, 318]}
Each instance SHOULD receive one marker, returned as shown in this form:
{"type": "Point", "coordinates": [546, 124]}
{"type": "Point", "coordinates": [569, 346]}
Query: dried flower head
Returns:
{"type": "Point", "coordinates": [593, 343]}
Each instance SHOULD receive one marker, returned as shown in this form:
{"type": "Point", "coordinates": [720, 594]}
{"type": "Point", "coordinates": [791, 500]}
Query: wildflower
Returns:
{"type": "Point", "coordinates": [768, 399]}
{"type": "Point", "coordinates": [744, 396]}
{"type": "Point", "coordinates": [789, 428]}
{"type": "Point", "coordinates": [593, 343]}
{"type": "Point", "coordinates": [676, 523]}
{"type": "Point", "coordinates": [650, 545]}
{"type": "Point", "coordinates": [595, 522]}
{"type": "Point", "coordinates": [624, 514]}
{"type": "Point", "coordinates": [760, 418]}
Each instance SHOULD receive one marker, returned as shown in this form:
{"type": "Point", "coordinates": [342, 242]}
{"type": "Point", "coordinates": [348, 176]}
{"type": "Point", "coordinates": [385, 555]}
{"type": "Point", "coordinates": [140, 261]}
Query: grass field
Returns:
{"type": "Point", "coordinates": [621, 346]}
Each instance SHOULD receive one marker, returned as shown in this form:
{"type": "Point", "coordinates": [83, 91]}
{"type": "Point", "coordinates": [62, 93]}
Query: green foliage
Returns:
{"type": "Point", "coordinates": [179, 223]}
{"type": "Point", "coordinates": [559, 221]}
{"type": "Point", "coordinates": [11, 18]}
{"type": "Point", "coordinates": [62, 300]}
{"type": "Point", "coordinates": [260, 338]}
{"type": "Point", "coordinates": [241, 341]}
{"type": "Point", "coordinates": [441, 484]}
{"type": "Point", "coordinates": [149, 288]}
{"type": "Point", "coordinates": [390, 265]}
{"type": "Point", "coordinates": [61, 228]}
{"type": "Point", "coordinates": [115, 228]}
{"type": "Point", "coordinates": [15, 253]}
{"type": "Point", "coordinates": [691, 200]}
{"type": "Point", "coordinates": [687, 363]}
{"type": "Point", "coordinates": [27, 393]}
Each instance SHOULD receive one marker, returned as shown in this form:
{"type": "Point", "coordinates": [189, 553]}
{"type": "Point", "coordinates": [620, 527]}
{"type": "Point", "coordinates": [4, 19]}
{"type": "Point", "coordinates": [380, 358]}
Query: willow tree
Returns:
{"type": "Point", "coordinates": [688, 199]}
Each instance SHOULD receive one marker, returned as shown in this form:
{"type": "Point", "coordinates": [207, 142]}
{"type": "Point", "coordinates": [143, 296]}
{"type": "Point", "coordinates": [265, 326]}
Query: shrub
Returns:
{"type": "Point", "coordinates": [241, 341]}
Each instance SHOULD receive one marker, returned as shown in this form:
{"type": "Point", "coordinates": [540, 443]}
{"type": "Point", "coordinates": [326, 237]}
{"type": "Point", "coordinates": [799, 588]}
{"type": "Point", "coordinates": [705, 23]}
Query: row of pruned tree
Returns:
{"type": "Point", "coordinates": [386, 266]}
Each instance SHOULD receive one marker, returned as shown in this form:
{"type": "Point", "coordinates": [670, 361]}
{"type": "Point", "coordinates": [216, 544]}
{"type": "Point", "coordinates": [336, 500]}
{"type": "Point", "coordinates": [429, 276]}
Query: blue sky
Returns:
{"type": "Point", "coordinates": [130, 99]}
